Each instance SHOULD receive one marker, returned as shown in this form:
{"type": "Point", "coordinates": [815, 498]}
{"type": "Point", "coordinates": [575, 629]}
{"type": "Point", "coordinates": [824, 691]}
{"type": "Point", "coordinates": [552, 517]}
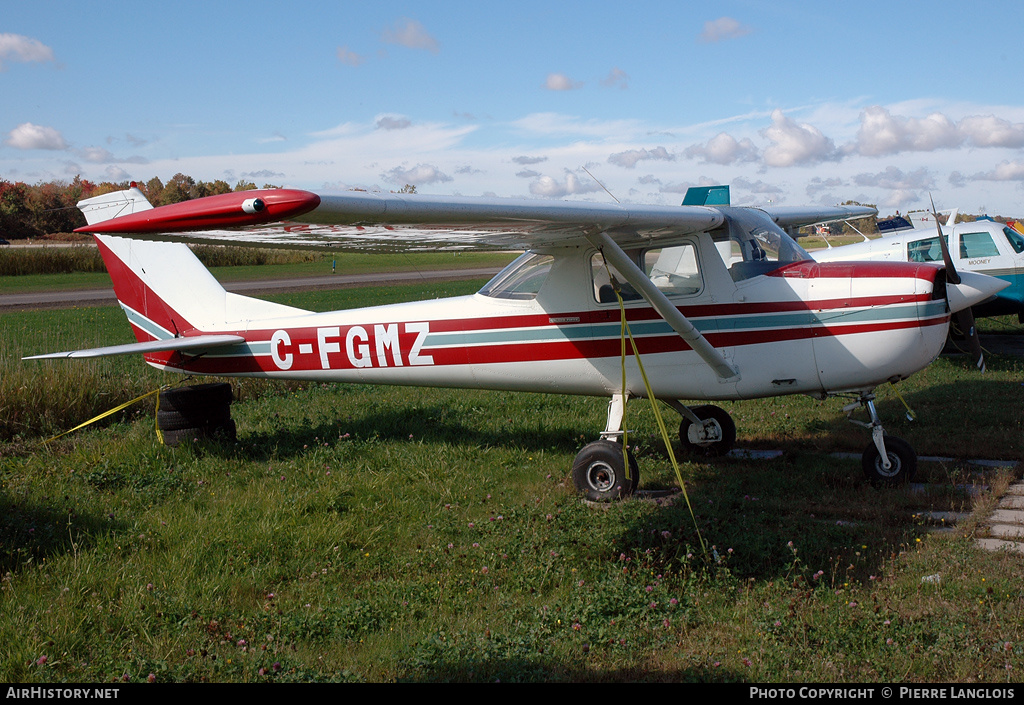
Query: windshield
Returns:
{"type": "Point", "coordinates": [522, 279]}
{"type": "Point", "coordinates": [752, 244]}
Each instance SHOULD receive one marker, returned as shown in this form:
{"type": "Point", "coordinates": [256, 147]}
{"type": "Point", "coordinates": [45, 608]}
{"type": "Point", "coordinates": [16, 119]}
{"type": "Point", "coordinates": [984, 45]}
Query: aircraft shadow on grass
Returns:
{"type": "Point", "coordinates": [33, 531]}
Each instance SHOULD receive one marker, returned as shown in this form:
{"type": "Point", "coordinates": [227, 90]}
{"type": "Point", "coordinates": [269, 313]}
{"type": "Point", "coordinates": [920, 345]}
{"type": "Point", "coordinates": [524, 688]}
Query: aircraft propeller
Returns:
{"type": "Point", "coordinates": [964, 318]}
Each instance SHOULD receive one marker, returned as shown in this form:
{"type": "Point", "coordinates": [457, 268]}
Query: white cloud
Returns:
{"type": "Point", "coordinates": [817, 185]}
{"type": "Point", "coordinates": [15, 47]}
{"type": "Point", "coordinates": [723, 28]}
{"type": "Point", "coordinates": [549, 187]}
{"type": "Point", "coordinates": [349, 57]}
{"type": "Point", "coordinates": [894, 178]}
{"type": "Point", "coordinates": [393, 122]}
{"type": "Point", "coordinates": [29, 136]}
{"type": "Point", "coordinates": [561, 82]}
{"type": "Point", "coordinates": [556, 125]}
{"type": "Point", "coordinates": [990, 131]}
{"type": "Point", "coordinates": [616, 77]}
{"type": "Point", "coordinates": [724, 149]}
{"type": "Point", "coordinates": [758, 187]}
{"type": "Point", "coordinates": [883, 133]}
{"type": "Point", "coordinates": [96, 155]}
{"type": "Point", "coordinates": [1004, 171]}
{"type": "Point", "coordinates": [629, 158]}
{"type": "Point", "coordinates": [417, 176]}
{"type": "Point", "coordinates": [411, 35]}
{"type": "Point", "coordinates": [262, 174]}
{"type": "Point", "coordinates": [794, 144]}
{"type": "Point", "coordinates": [115, 174]}
{"type": "Point", "coordinates": [528, 161]}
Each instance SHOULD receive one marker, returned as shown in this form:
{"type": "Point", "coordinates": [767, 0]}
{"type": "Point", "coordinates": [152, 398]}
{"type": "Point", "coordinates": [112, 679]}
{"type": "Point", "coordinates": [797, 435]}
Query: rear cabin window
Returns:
{"type": "Point", "coordinates": [974, 245]}
{"type": "Point", "coordinates": [674, 270]}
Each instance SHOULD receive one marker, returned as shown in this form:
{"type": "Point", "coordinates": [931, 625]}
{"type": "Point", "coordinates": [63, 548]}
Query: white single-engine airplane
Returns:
{"type": "Point", "coordinates": [723, 305]}
{"type": "Point", "coordinates": [983, 246]}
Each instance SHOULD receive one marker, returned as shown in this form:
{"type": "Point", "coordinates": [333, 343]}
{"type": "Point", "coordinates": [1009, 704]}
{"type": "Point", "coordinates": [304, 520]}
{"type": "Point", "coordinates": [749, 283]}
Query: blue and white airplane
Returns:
{"type": "Point", "coordinates": [985, 246]}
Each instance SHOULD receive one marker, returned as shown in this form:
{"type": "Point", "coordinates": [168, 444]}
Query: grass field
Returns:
{"type": "Point", "coordinates": [359, 533]}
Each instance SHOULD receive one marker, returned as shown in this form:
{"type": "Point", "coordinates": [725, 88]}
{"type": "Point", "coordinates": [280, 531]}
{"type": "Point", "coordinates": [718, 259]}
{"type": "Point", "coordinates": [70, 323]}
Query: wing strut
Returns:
{"type": "Point", "coordinates": [656, 298]}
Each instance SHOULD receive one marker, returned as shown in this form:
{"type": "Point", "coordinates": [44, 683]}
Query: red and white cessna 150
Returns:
{"type": "Point", "coordinates": [723, 304]}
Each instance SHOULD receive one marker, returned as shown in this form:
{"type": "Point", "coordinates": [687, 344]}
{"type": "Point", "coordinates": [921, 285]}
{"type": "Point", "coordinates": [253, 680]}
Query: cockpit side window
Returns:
{"type": "Point", "coordinates": [927, 250]}
{"type": "Point", "coordinates": [520, 280]}
{"type": "Point", "coordinates": [752, 244]}
{"type": "Point", "coordinates": [1015, 238]}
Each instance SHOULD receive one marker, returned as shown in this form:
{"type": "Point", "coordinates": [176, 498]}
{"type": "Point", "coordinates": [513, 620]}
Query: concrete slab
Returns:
{"type": "Point", "coordinates": [1000, 545]}
{"type": "Point", "coordinates": [1011, 532]}
{"type": "Point", "coordinates": [1012, 501]}
{"type": "Point", "coordinates": [1007, 516]}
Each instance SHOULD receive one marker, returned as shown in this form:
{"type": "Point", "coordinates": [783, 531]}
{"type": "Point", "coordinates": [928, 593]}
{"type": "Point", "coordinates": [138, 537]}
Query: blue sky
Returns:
{"type": "Point", "coordinates": [789, 102]}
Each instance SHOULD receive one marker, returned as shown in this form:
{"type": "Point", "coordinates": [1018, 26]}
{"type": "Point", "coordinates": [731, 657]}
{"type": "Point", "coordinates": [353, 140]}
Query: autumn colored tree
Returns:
{"type": "Point", "coordinates": [14, 212]}
{"type": "Point", "coordinates": [176, 190]}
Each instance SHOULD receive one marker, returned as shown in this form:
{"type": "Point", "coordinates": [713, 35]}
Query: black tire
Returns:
{"type": "Point", "coordinates": [709, 448]}
{"type": "Point", "coordinates": [196, 397]}
{"type": "Point", "coordinates": [225, 432]}
{"type": "Point", "coordinates": [901, 456]}
{"type": "Point", "coordinates": [196, 412]}
{"type": "Point", "coordinates": [182, 435]}
{"type": "Point", "coordinates": [198, 418]}
{"type": "Point", "coordinates": [599, 472]}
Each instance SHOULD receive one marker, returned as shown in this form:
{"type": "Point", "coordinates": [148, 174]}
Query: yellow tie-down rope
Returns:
{"type": "Point", "coordinates": [627, 333]}
{"type": "Point", "coordinates": [114, 411]}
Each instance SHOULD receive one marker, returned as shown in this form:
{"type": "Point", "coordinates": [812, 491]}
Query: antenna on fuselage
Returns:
{"type": "Point", "coordinates": [600, 184]}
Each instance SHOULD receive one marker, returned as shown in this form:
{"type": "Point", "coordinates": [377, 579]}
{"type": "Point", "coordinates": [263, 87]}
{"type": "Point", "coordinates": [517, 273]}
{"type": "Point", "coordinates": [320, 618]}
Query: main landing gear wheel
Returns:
{"type": "Point", "coordinates": [716, 438]}
{"type": "Point", "coordinates": [599, 472]}
{"type": "Point", "coordinates": [902, 463]}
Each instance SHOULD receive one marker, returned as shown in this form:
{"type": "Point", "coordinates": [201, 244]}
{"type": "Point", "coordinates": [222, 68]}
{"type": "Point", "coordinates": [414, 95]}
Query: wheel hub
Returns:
{"type": "Point", "coordinates": [706, 433]}
{"type": "Point", "coordinates": [600, 476]}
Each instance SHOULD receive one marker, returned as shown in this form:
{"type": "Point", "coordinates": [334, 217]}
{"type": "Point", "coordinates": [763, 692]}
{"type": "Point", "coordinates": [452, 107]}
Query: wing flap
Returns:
{"type": "Point", "coordinates": [197, 342]}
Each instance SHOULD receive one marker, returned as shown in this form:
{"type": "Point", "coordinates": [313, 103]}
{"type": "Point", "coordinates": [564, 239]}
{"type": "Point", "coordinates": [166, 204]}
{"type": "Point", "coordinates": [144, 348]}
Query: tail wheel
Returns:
{"type": "Point", "coordinates": [902, 463]}
{"type": "Point", "coordinates": [696, 440]}
{"type": "Point", "coordinates": [599, 472]}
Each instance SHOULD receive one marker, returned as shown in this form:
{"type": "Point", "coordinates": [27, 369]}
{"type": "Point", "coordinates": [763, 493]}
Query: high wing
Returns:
{"type": "Point", "coordinates": [371, 221]}
{"type": "Point", "coordinates": [798, 216]}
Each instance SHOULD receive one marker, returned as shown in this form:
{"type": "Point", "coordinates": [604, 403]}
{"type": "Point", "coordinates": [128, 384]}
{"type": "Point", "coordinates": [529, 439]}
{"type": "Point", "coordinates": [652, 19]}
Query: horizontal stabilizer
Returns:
{"type": "Point", "coordinates": [204, 342]}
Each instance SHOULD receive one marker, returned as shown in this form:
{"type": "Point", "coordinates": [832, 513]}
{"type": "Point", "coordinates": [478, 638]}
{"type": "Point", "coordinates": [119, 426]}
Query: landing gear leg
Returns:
{"type": "Point", "coordinates": [705, 430]}
{"type": "Point", "coordinates": [888, 460]}
{"type": "Point", "coordinates": [604, 471]}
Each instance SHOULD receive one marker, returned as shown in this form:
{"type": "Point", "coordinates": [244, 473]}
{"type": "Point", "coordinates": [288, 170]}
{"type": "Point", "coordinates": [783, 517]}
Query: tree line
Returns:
{"type": "Point", "coordinates": [28, 211]}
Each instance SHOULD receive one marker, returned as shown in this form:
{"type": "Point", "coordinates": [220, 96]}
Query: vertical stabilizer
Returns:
{"type": "Point", "coordinates": [162, 286]}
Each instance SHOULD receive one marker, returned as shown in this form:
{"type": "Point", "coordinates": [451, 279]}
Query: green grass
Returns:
{"type": "Point", "coordinates": [359, 533]}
